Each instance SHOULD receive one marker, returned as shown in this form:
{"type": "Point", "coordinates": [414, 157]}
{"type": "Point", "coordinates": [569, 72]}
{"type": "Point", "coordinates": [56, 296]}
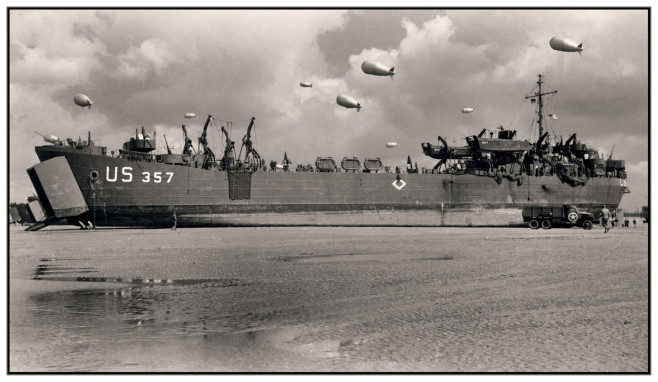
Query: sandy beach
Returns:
{"type": "Point", "coordinates": [329, 300]}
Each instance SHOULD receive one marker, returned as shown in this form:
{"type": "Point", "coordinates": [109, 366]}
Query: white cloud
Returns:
{"type": "Point", "coordinates": [152, 55]}
{"type": "Point", "coordinates": [36, 66]}
{"type": "Point", "coordinates": [520, 68]}
{"type": "Point", "coordinates": [46, 49]}
{"type": "Point", "coordinates": [433, 36]}
{"type": "Point", "coordinates": [640, 168]}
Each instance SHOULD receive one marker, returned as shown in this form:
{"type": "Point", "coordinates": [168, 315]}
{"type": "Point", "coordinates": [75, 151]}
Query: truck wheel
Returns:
{"type": "Point", "coordinates": [546, 224]}
{"type": "Point", "coordinates": [533, 224]}
{"type": "Point", "coordinates": [587, 224]}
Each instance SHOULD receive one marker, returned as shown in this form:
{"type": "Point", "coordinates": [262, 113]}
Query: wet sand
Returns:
{"type": "Point", "coordinates": [329, 300]}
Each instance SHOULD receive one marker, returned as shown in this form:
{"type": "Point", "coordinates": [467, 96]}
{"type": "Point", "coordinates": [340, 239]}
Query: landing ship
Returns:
{"type": "Point", "coordinates": [486, 182]}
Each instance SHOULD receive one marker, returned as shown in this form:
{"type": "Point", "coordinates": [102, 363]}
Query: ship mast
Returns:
{"type": "Point", "coordinates": [540, 102]}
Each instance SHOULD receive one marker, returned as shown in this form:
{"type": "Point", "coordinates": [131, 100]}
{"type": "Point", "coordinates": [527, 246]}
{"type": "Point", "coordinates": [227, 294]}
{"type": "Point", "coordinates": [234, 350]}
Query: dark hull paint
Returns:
{"type": "Point", "coordinates": [130, 193]}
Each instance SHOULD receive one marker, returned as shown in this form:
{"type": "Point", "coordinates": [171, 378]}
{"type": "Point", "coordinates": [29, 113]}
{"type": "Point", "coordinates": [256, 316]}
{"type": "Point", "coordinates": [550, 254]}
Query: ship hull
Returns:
{"type": "Point", "coordinates": [120, 192]}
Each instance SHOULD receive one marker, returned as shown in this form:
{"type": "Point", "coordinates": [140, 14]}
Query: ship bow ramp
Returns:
{"type": "Point", "coordinates": [58, 191]}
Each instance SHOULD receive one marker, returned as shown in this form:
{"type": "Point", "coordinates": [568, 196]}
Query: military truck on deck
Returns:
{"type": "Point", "coordinates": [566, 215]}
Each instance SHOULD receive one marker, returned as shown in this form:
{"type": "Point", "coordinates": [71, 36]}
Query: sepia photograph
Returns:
{"type": "Point", "coordinates": [328, 190]}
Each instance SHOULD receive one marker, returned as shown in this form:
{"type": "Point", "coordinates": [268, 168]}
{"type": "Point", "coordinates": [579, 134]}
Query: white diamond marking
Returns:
{"type": "Point", "coordinates": [401, 186]}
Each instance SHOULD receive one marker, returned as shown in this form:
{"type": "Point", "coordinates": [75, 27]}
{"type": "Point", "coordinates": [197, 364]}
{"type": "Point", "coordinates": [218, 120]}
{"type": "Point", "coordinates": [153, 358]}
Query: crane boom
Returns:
{"type": "Point", "coordinates": [228, 162]}
{"type": "Point", "coordinates": [251, 157]}
{"type": "Point", "coordinates": [167, 144]}
{"type": "Point", "coordinates": [187, 149]}
{"type": "Point", "coordinates": [203, 138]}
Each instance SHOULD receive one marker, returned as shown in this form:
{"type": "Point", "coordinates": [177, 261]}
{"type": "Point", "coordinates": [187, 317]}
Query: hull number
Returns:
{"type": "Point", "coordinates": [146, 176]}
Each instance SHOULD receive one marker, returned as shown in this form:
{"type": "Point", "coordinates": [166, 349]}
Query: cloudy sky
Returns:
{"type": "Point", "coordinates": [150, 67]}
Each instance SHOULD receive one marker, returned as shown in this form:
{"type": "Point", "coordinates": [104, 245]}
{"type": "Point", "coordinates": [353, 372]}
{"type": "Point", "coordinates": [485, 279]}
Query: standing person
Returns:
{"type": "Point", "coordinates": [175, 221]}
{"type": "Point", "coordinates": [605, 215]}
{"type": "Point", "coordinates": [634, 223]}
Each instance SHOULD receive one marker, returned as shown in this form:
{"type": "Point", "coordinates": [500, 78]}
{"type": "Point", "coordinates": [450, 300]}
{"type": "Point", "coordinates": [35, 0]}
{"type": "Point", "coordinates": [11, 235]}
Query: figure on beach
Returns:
{"type": "Point", "coordinates": [605, 215]}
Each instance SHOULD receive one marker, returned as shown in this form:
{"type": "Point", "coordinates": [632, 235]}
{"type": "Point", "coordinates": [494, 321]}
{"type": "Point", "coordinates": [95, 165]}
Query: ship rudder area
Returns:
{"type": "Point", "coordinates": [58, 191]}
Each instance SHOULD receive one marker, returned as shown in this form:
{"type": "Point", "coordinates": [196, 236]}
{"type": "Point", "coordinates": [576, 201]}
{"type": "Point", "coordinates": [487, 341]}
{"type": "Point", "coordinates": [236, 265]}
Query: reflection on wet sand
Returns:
{"type": "Point", "coordinates": [282, 300]}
